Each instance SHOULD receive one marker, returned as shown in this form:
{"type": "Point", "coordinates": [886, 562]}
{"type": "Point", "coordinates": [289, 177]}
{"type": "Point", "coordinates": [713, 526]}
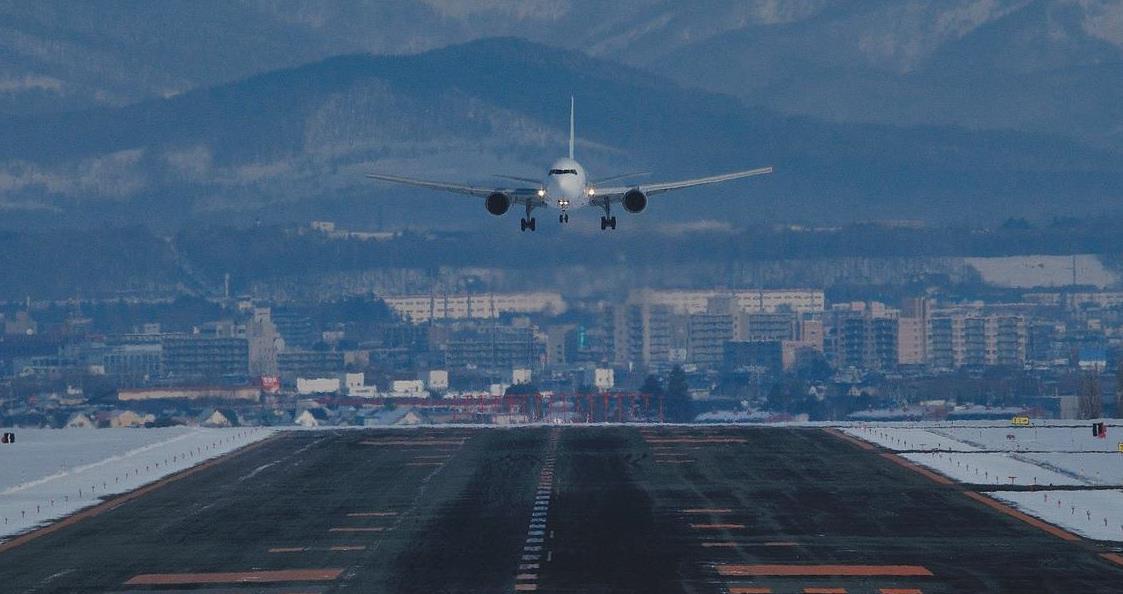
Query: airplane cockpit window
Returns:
{"type": "Point", "coordinates": [562, 171]}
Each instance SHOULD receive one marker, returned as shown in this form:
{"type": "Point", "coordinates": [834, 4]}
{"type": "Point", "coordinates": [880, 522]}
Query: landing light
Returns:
{"type": "Point", "coordinates": [592, 191]}
{"type": "Point", "coordinates": [541, 193]}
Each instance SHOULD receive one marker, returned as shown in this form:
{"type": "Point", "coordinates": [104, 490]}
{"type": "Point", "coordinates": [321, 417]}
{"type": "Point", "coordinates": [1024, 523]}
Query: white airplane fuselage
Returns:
{"type": "Point", "coordinates": [566, 185]}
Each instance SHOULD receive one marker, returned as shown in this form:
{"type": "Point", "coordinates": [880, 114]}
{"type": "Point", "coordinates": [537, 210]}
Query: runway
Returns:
{"type": "Point", "coordinates": [558, 509]}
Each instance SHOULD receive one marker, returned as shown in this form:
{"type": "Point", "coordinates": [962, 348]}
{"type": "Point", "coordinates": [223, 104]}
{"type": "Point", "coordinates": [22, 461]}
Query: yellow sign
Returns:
{"type": "Point", "coordinates": [1121, 446]}
{"type": "Point", "coordinates": [1020, 421]}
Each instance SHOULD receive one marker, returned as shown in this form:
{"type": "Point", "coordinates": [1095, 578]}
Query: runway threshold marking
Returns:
{"type": "Point", "coordinates": [773, 570]}
{"type": "Point", "coordinates": [235, 577]}
{"type": "Point", "coordinates": [1032, 521]}
{"type": "Point", "coordinates": [116, 502]}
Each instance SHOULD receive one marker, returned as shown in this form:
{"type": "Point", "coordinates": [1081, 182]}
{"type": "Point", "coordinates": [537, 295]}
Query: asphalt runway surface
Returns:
{"type": "Point", "coordinates": [551, 509]}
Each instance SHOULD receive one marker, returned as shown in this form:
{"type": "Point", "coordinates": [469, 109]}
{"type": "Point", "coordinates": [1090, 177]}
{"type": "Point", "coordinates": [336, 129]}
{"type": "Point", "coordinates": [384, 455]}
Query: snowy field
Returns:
{"type": "Point", "coordinates": [1092, 514]}
{"type": "Point", "coordinates": [1043, 455]}
{"type": "Point", "coordinates": [50, 473]}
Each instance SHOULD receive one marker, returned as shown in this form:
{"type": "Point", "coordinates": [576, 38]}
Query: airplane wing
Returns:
{"type": "Point", "coordinates": [516, 194]}
{"type": "Point", "coordinates": [657, 188]}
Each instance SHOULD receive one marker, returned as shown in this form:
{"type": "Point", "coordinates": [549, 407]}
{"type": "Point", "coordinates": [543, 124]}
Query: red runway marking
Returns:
{"type": "Point", "coordinates": [824, 591]}
{"type": "Point", "coordinates": [749, 590]}
{"type": "Point", "coordinates": [526, 587]}
{"type": "Point", "coordinates": [938, 478]}
{"type": "Point", "coordinates": [410, 442]}
{"type": "Point", "coordinates": [234, 577]}
{"type": "Point", "coordinates": [1051, 529]}
{"type": "Point", "coordinates": [865, 445]}
{"type": "Point", "coordinates": [824, 570]}
{"type": "Point", "coordinates": [1113, 557]}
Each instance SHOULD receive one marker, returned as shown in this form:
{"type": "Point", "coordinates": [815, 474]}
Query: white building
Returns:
{"type": "Point", "coordinates": [319, 385]}
{"type": "Point", "coordinates": [758, 300]}
{"type": "Point", "coordinates": [419, 309]}
{"type": "Point", "coordinates": [438, 379]}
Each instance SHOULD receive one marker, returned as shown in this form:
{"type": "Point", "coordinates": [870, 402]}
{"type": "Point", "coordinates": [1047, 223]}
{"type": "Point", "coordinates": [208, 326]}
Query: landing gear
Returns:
{"type": "Point", "coordinates": [607, 221]}
{"type": "Point", "coordinates": [563, 217]}
{"type": "Point", "coordinates": [525, 224]}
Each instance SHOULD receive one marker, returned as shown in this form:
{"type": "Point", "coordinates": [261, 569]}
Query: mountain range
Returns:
{"type": "Point", "coordinates": [949, 111]}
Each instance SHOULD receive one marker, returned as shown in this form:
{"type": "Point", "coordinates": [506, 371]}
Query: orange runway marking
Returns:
{"type": "Point", "coordinates": [749, 590]}
{"type": "Point", "coordinates": [525, 587]}
{"type": "Point", "coordinates": [308, 549]}
{"type": "Point", "coordinates": [1032, 521]}
{"type": "Point", "coordinates": [127, 497]}
{"type": "Point", "coordinates": [1113, 557]}
{"type": "Point", "coordinates": [938, 478]}
{"type": "Point", "coordinates": [695, 440]}
{"type": "Point", "coordinates": [900, 591]}
{"type": "Point", "coordinates": [707, 510]}
{"type": "Point", "coordinates": [865, 445]}
{"type": "Point", "coordinates": [234, 577]}
{"type": "Point", "coordinates": [723, 545]}
{"type": "Point", "coordinates": [824, 570]}
{"type": "Point", "coordinates": [410, 442]}
{"type": "Point", "coordinates": [824, 591]}
{"type": "Point", "coordinates": [371, 514]}
{"type": "Point", "coordinates": [718, 526]}
{"type": "Point", "coordinates": [346, 529]}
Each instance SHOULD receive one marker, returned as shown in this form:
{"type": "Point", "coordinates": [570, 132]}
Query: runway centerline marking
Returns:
{"type": "Point", "coordinates": [235, 577]}
{"type": "Point", "coordinates": [718, 526]}
{"type": "Point", "coordinates": [774, 570]}
{"type": "Point", "coordinates": [371, 514]}
{"type": "Point", "coordinates": [349, 529]}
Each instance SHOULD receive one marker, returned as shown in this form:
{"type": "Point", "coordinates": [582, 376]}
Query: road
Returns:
{"type": "Point", "coordinates": [574, 509]}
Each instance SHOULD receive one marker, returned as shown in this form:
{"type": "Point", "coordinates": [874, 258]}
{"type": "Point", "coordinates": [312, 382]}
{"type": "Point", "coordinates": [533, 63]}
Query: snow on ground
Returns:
{"type": "Point", "coordinates": [1100, 468]}
{"type": "Point", "coordinates": [1047, 453]}
{"type": "Point", "coordinates": [903, 438]}
{"type": "Point", "coordinates": [1093, 514]}
{"type": "Point", "coordinates": [50, 473]}
{"type": "Point", "coordinates": [1048, 438]}
{"type": "Point", "coordinates": [991, 469]}
{"type": "Point", "coordinates": [1042, 271]}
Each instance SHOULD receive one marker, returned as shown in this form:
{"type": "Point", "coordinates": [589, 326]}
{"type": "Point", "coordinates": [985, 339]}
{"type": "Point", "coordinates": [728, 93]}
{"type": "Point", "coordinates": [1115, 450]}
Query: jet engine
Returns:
{"type": "Point", "coordinates": [498, 203]}
{"type": "Point", "coordinates": [635, 201]}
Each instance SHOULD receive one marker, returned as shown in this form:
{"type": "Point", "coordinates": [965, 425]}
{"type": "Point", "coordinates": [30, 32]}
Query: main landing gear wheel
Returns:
{"type": "Point", "coordinates": [607, 223]}
{"type": "Point", "coordinates": [525, 224]}
{"type": "Point", "coordinates": [563, 218]}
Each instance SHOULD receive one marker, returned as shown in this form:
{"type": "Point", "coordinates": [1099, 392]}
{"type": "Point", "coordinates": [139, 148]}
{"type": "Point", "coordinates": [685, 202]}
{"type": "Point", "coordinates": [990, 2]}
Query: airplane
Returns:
{"type": "Point", "coordinates": [567, 186]}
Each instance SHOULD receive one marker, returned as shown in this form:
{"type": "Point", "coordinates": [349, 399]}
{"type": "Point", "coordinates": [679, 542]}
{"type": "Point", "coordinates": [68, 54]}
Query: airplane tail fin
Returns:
{"type": "Point", "coordinates": [571, 104]}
